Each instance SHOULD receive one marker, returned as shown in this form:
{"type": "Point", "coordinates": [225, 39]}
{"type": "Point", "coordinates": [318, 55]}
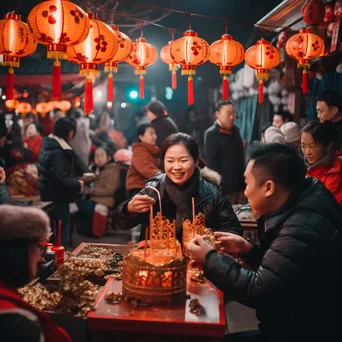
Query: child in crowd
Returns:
{"type": "Point", "coordinates": [144, 159]}
{"type": "Point", "coordinates": [323, 163]}
{"type": "Point", "coordinates": [292, 134]}
{"type": "Point", "coordinates": [33, 141]}
{"type": "Point", "coordinates": [101, 191]}
{"type": "Point", "coordinates": [274, 135]}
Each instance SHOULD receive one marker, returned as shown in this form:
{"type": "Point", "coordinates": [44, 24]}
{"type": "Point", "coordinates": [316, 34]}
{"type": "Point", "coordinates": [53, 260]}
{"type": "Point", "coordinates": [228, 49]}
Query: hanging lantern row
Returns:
{"type": "Point", "coordinates": [70, 33]}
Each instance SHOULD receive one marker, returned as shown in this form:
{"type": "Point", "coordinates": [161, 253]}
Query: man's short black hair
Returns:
{"type": "Point", "coordinates": [285, 116]}
{"type": "Point", "coordinates": [63, 126]}
{"type": "Point", "coordinates": [142, 129]}
{"type": "Point", "coordinates": [222, 103]}
{"type": "Point", "coordinates": [332, 99]}
{"type": "Point", "coordinates": [281, 163]}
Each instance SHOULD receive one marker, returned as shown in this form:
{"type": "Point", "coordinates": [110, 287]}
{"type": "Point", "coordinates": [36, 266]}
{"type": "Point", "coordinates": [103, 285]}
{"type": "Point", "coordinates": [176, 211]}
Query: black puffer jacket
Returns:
{"type": "Point", "coordinates": [209, 200]}
{"type": "Point", "coordinates": [295, 284]}
{"type": "Point", "coordinates": [57, 181]}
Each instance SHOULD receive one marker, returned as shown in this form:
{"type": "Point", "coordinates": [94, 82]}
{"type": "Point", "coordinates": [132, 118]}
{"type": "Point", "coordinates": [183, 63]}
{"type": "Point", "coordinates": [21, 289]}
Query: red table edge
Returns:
{"type": "Point", "coordinates": [172, 327]}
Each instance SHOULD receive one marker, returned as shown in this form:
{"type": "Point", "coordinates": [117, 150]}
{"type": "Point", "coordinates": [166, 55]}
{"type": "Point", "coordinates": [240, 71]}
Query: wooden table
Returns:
{"type": "Point", "coordinates": [109, 322]}
{"type": "Point", "coordinates": [37, 203]}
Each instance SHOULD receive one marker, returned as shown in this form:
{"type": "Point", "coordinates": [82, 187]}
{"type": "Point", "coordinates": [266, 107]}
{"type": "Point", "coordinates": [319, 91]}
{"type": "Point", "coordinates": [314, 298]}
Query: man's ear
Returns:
{"type": "Point", "coordinates": [270, 188]}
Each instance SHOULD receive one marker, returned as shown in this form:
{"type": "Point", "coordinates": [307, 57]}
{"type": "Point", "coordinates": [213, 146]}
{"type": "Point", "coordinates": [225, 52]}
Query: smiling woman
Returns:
{"type": "Point", "coordinates": [184, 178]}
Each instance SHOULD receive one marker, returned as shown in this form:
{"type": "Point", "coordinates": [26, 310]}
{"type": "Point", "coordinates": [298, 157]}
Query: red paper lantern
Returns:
{"type": "Point", "coordinates": [143, 55]}
{"type": "Point", "coordinates": [262, 57]}
{"type": "Point", "coordinates": [125, 47]}
{"type": "Point", "coordinates": [190, 51]}
{"type": "Point", "coordinates": [43, 108]}
{"type": "Point", "coordinates": [303, 47]}
{"type": "Point", "coordinates": [64, 106]}
{"type": "Point", "coordinates": [226, 53]}
{"type": "Point", "coordinates": [11, 104]}
{"type": "Point", "coordinates": [99, 47]}
{"type": "Point", "coordinates": [24, 108]}
{"type": "Point", "coordinates": [165, 56]}
{"type": "Point", "coordinates": [58, 24]}
{"type": "Point", "coordinates": [15, 42]}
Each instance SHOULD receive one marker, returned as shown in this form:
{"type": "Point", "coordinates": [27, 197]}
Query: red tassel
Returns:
{"type": "Point", "coordinates": [10, 84]}
{"type": "Point", "coordinates": [110, 88]}
{"type": "Point", "coordinates": [225, 88]}
{"type": "Point", "coordinates": [142, 87]}
{"type": "Point", "coordinates": [305, 82]}
{"type": "Point", "coordinates": [56, 81]}
{"type": "Point", "coordinates": [261, 91]}
{"type": "Point", "coordinates": [191, 96]}
{"type": "Point", "coordinates": [88, 97]}
{"type": "Point", "coordinates": [174, 80]}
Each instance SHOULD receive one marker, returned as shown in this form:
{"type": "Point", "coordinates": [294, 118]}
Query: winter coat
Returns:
{"type": "Point", "coordinates": [224, 153]}
{"type": "Point", "coordinates": [295, 278]}
{"type": "Point", "coordinates": [34, 145]}
{"type": "Point", "coordinates": [330, 174]}
{"type": "Point", "coordinates": [143, 165]}
{"type": "Point", "coordinates": [56, 171]}
{"type": "Point", "coordinates": [338, 143]}
{"type": "Point", "coordinates": [4, 196]}
{"type": "Point", "coordinates": [164, 126]}
{"type": "Point", "coordinates": [209, 200]}
{"type": "Point", "coordinates": [81, 141]}
{"type": "Point", "coordinates": [106, 185]}
{"type": "Point", "coordinates": [20, 321]}
{"type": "Point", "coordinates": [21, 182]}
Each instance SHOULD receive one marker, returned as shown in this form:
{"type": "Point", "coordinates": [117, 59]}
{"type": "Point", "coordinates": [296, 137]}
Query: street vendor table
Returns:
{"type": "Point", "coordinates": [36, 202]}
{"type": "Point", "coordinates": [114, 321]}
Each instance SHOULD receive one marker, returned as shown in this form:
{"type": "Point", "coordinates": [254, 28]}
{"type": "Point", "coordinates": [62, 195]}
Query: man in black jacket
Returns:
{"type": "Point", "coordinates": [329, 108]}
{"type": "Point", "coordinates": [224, 151]}
{"type": "Point", "coordinates": [293, 277]}
{"type": "Point", "coordinates": [164, 125]}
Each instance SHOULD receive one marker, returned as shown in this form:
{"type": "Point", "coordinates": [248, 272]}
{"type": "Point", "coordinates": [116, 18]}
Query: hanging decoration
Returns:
{"type": "Point", "coordinates": [262, 57]}
{"type": "Point", "coordinates": [226, 53]}
{"type": "Point", "coordinates": [190, 51]}
{"type": "Point", "coordinates": [304, 46]}
{"type": "Point", "coordinates": [43, 108]}
{"type": "Point", "coordinates": [313, 12]}
{"type": "Point", "coordinates": [23, 108]}
{"type": "Point", "coordinates": [11, 104]}
{"type": "Point", "coordinates": [99, 47]}
{"type": "Point", "coordinates": [125, 47]}
{"type": "Point", "coordinates": [63, 106]}
{"type": "Point", "coordinates": [58, 24]}
{"type": "Point", "coordinates": [15, 42]}
{"type": "Point", "coordinates": [143, 55]}
{"type": "Point", "coordinates": [165, 56]}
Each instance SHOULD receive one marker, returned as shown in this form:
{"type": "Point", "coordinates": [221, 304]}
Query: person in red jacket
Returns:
{"type": "Point", "coordinates": [322, 161]}
{"type": "Point", "coordinates": [23, 236]}
{"type": "Point", "coordinates": [144, 159]}
{"type": "Point", "coordinates": [33, 141]}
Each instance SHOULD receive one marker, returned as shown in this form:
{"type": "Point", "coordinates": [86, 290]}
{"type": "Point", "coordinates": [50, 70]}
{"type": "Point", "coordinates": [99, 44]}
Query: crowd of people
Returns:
{"type": "Point", "coordinates": [291, 181]}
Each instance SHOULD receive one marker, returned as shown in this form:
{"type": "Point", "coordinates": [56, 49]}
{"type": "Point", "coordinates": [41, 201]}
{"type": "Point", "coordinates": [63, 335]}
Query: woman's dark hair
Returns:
{"type": "Point", "coordinates": [323, 133]}
{"type": "Point", "coordinates": [39, 128]}
{"type": "Point", "coordinates": [156, 107]}
{"type": "Point", "coordinates": [181, 139]}
{"type": "Point", "coordinates": [285, 116]}
{"type": "Point", "coordinates": [63, 126]}
{"type": "Point", "coordinates": [142, 129]}
{"type": "Point", "coordinates": [14, 264]}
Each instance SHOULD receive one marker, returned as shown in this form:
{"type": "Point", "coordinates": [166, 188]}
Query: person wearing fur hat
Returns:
{"type": "Point", "coordinates": [185, 177]}
{"type": "Point", "coordinates": [23, 236]}
{"type": "Point", "coordinates": [144, 159]}
{"type": "Point", "coordinates": [291, 132]}
{"type": "Point", "coordinates": [274, 135]}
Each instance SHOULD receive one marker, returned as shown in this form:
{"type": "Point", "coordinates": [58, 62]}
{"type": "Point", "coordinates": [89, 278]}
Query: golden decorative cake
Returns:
{"type": "Point", "coordinates": [156, 275]}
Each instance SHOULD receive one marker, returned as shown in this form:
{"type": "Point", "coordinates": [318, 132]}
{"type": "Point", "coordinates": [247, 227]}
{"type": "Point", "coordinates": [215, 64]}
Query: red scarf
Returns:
{"type": "Point", "coordinates": [52, 333]}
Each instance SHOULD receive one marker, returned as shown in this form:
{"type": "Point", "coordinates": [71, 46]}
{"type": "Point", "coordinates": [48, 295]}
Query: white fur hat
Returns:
{"type": "Point", "coordinates": [274, 135]}
{"type": "Point", "coordinates": [291, 132]}
{"type": "Point", "coordinates": [23, 223]}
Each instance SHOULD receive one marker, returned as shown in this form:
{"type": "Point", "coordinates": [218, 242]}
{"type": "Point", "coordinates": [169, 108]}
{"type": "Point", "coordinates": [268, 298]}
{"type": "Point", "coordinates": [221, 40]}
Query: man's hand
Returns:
{"type": "Point", "coordinates": [82, 186]}
{"type": "Point", "coordinates": [232, 243]}
{"type": "Point", "coordinates": [2, 175]}
{"type": "Point", "coordinates": [140, 204]}
{"type": "Point", "coordinates": [199, 248]}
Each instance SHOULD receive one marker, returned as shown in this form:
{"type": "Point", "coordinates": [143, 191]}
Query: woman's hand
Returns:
{"type": "Point", "coordinates": [232, 243]}
{"type": "Point", "coordinates": [140, 204]}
